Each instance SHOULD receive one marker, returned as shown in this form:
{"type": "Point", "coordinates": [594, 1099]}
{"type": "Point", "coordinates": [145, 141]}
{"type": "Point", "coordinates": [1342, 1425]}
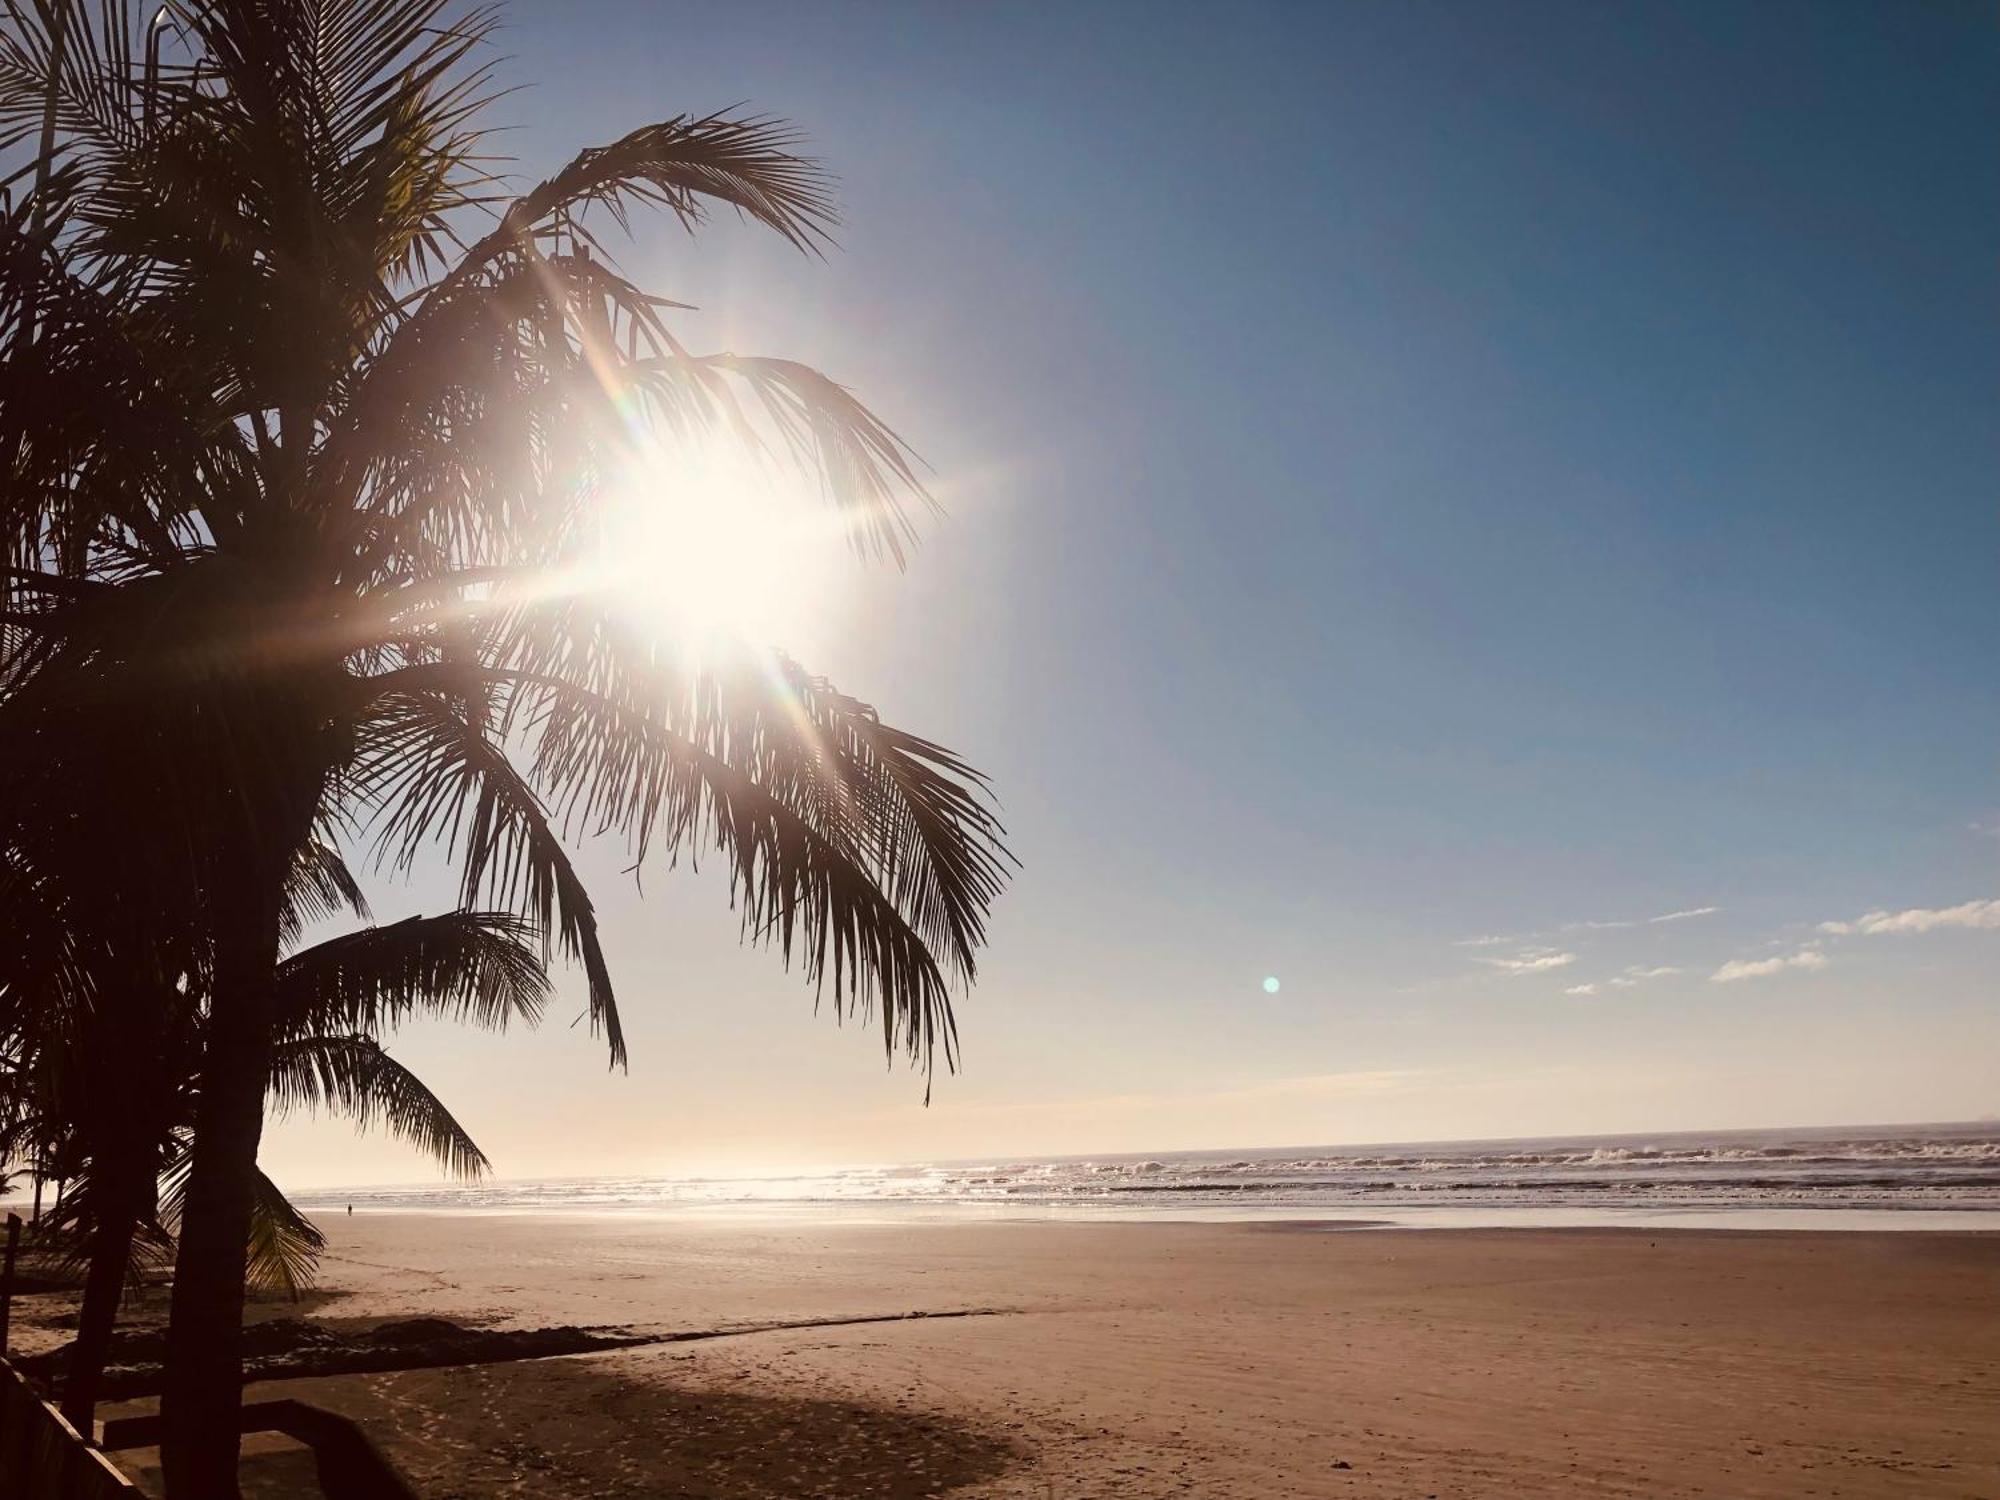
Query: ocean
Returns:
{"type": "Point", "coordinates": [1928, 1176]}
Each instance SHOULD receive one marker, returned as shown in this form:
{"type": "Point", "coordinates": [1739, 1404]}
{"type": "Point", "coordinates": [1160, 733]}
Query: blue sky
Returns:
{"type": "Point", "coordinates": [1416, 473]}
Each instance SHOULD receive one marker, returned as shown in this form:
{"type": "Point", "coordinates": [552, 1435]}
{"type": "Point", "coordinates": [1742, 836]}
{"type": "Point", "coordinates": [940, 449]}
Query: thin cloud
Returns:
{"type": "Point", "coordinates": [1496, 940]}
{"type": "Point", "coordinates": [1981, 916]}
{"type": "Point", "coordinates": [1809, 959]}
{"type": "Point", "coordinates": [1532, 961]}
{"type": "Point", "coordinates": [1638, 974]}
{"type": "Point", "coordinates": [1581, 989]}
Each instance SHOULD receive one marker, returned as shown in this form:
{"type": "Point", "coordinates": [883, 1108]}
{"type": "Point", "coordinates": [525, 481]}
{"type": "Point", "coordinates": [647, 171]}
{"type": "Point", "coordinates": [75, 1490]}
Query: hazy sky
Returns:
{"type": "Point", "coordinates": [1417, 474]}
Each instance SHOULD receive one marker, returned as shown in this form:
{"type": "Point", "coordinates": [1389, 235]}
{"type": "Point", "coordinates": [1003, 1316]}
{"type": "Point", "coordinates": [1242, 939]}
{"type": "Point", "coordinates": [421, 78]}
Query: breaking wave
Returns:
{"type": "Point", "coordinates": [1928, 1167]}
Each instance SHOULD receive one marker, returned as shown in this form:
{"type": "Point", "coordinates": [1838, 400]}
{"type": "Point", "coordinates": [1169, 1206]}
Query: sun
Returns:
{"type": "Point", "coordinates": [717, 548]}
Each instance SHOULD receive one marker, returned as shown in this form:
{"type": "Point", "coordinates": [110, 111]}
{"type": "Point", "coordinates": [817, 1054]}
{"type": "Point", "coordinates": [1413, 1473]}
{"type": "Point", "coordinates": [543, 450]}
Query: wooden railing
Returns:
{"type": "Point", "coordinates": [350, 1467]}
{"type": "Point", "coordinates": [41, 1456]}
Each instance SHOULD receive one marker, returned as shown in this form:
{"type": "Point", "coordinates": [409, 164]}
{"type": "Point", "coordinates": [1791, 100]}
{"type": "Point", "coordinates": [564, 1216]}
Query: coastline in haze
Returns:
{"type": "Point", "coordinates": [1936, 1167]}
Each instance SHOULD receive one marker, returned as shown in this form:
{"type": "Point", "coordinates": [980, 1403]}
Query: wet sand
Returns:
{"type": "Point", "coordinates": [1140, 1360]}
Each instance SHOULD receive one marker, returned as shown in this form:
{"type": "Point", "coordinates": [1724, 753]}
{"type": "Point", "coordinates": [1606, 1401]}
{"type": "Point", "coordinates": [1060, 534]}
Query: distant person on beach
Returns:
{"type": "Point", "coordinates": [350, 1210]}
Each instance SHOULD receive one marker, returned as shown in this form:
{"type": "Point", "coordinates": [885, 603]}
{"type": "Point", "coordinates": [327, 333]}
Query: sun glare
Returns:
{"type": "Point", "coordinates": [716, 549]}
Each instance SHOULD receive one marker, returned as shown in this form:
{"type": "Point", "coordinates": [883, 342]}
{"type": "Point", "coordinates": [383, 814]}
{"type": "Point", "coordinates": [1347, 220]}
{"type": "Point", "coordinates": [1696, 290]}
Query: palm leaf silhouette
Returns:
{"type": "Point", "coordinates": [304, 431]}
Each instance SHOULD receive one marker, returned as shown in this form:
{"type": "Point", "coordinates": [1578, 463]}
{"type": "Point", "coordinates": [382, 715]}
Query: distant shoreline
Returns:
{"type": "Point", "coordinates": [1945, 1175]}
{"type": "Point", "coordinates": [1912, 1220]}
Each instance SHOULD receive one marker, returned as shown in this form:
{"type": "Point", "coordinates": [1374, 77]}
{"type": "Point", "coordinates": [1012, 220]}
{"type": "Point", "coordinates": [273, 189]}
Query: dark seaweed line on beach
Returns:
{"type": "Point", "coordinates": [292, 1349]}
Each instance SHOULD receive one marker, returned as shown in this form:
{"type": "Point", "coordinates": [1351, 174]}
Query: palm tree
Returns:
{"type": "Point", "coordinates": [105, 1060]}
{"type": "Point", "coordinates": [334, 1002]}
{"type": "Point", "coordinates": [302, 440]}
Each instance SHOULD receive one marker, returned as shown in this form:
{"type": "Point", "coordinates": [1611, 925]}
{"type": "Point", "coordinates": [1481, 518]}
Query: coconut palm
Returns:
{"type": "Point", "coordinates": [335, 1000]}
{"type": "Point", "coordinates": [107, 1060]}
{"type": "Point", "coordinates": [303, 437]}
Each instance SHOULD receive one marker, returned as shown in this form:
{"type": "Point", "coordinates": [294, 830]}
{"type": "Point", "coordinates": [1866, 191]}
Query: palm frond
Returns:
{"type": "Point", "coordinates": [866, 854]}
{"type": "Point", "coordinates": [431, 762]}
{"type": "Point", "coordinates": [802, 867]}
{"type": "Point", "coordinates": [915, 816]}
{"type": "Point", "coordinates": [865, 468]}
{"type": "Point", "coordinates": [322, 887]}
{"type": "Point", "coordinates": [748, 162]}
{"type": "Point", "coordinates": [80, 1216]}
{"type": "Point", "coordinates": [937, 844]}
{"type": "Point", "coordinates": [285, 1245]}
{"type": "Point", "coordinates": [351, 1075]}
{"type": "Point", "coordinates": [477, 966]}
{"type": "Point", "coordinates": [99, 435]}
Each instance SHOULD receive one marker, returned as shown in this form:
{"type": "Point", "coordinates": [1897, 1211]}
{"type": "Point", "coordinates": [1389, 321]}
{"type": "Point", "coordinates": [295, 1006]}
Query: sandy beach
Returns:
{"type": "Point", "coordinates": [1137, 1360]}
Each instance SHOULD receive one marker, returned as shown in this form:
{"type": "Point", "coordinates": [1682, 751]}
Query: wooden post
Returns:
{"type": "Point", "coordinates": [7, 1278]}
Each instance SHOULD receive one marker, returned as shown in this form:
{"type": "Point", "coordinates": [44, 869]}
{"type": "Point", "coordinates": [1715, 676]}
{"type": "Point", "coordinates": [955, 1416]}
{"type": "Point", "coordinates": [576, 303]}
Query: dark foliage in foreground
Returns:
{"type": "Point", "coordinates": [305, 422]}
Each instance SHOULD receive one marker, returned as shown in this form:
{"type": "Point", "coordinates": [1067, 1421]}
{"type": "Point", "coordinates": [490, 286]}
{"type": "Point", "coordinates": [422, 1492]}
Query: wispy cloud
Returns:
{"type": "Point", "coordinates": [1988, 826]}
{"type": "Point", "coordinates": [1532, 961]}
{"type": "Point", "coordinates": [1639, 974]}
{"type": "Point", "coordinates": [1682, 916]}
{"type": "Point", "coordinates": [1758, 968]}
{"type": "Point", "coordinates": [1981, 915]}
{"type": "Point", "coordinates": [1581, 989]}
{"type": "Point", "coordinates": [1496, 940]}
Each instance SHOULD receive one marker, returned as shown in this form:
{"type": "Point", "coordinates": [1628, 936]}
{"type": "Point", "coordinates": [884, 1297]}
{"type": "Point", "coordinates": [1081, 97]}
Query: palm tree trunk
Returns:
{"type": "Point", "coordinates": [201, 1436]}
{"type": "Point", "coordinates": [103, 1288]}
